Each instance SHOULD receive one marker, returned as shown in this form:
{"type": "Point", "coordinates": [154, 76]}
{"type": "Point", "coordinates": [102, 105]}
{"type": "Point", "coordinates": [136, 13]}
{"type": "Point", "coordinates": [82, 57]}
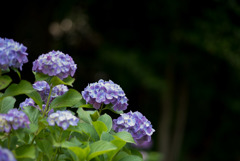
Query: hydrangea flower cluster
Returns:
{"type": "Point", "coordinates": [6, 155]}
{"type": "Point", "coordinates": [63, 119]}
{"type": "Point", "coordinates": [14, 119]}
{"type": "Point", "coordinates": [136, 124]}
{"type": "Point", "coordinates": [12, 54]}
{"type": "Point", "coordinates": [58, 90]}
{"type": "Point", "coordinates": [30, 102]}
{"type": "Point", "coordinates": [105, 92]}
{"type": "Point", "coordinates": [4, 124]}
{"type": "Point", "coordinates": [27, 102]}
{"type": "Point", "coordinates": [55, 63]}
{"type": "Point", "coordinates": [44, 89]}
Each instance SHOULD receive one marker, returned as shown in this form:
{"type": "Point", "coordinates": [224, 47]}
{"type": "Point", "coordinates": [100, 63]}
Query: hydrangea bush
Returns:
{"type": "Point", "coordinates": [57, 122]}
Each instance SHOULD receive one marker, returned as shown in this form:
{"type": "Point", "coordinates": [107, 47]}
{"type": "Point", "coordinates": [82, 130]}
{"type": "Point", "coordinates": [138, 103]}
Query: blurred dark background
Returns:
{"type": "Point", "coordinates": [177, 61]}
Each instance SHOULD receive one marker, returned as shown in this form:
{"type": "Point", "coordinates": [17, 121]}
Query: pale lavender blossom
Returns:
{"type": "Point", "coordinates": [12, 54]}
{"type": "Point", "coordinates": [136, 124]}
{"type": "Point", "coordinates": [55, 63]}
{"type": "Point", "coordinates": [62, 119]}
{"type": "Point", "coordinates": [6, 155]}
{"type": "Point", "coordinates": [14, 119]}
{"type": "Point", "coordinates": [5, 126]}
{"type": "Point", "coordinates": [105, 92]}
{"type": "Point", "coordinates": [17, 119]}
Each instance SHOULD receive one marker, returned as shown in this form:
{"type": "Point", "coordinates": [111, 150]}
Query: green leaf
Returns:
{"type": "Point", "coordinates": [57, 81]}
{"type": "Point", "coordinates": [107, 120]}
{"type": "Point", "coordinates": [6, 104]}
{"type": "Point", "coordinates": [86, 129]}
{"type": "Point", "coordinates": [84, 115]}
{"type": "Point", "coordinates": [74, 142]}
{"type": "Point", "coordinates": [80, 153]}
{"type": "Point", "coordinates": [100, 147]}
{"type": "Point", "coordinates": [99, 127]}
{"type": "Point", "coordinates": [120, 155]}
{"type": "Point", "coordinates": [25, 151]}
{"type": "Point", "coordinates": [86, 106]}
{"type": "Point", "coordinates": [107, 137]}
{"type": "Point", "coordinates": [95, 115]}
{"type": "Point", "coordinates": [5, 80]}
{"type": "Point", "coordinates": [33, 127]}
{"type": "Point", "coordinates": [69, 80]}
{"type": "Point", "coordinates": [36, 98]}
{"type": "Point", "coordinates": [136, 152]}
{"type": "Point", "coordinates": [40, 76]}
{"type": "Point", "coordinates": [22, 135]}
{"type": "Point", "coordinates": [109, 107]}
{"type": "Point", "coordinates": [81, 103]}
{"type": "Point", "coordinates": [119, 143]}
{"type": "Point", "coordinates": [68, 99]}
{"type": "Point", "coordinates": [24, 87]}
{"type": "Point", "coordinates": [45, 147]}
{"type": "Point", "coordinates": [126, 136]}
{"type": "Point", "coordinates": [131, 158]}
{"type": "Point", "coordinates": [32, 113]}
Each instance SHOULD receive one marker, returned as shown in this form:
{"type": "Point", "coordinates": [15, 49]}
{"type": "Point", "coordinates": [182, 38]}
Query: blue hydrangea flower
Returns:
{"type": "Point", "coordinates": [63, 119]}
{"type": "Point", "coordinates": [12, 54]}
{"type": "Point", "coordinates": [136, 124]}
{"type": "Point", "coordinates": [55, 63]}
{"type": "Point", "coordinates": [6, 155]}
{"type": "Point", "coordinates": [105, 92]}
{"type": "Point", "coordinates": [14, 119]}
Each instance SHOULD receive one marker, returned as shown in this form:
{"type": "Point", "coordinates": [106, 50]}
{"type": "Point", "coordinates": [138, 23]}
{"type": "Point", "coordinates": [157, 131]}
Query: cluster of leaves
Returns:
{"type": "Point", "coordinates": [92, 139]}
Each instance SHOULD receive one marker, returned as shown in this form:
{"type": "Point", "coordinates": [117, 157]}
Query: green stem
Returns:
{"type": "Point", "coordinates": [57, 149]}
{"type": "Point", "coordinates": [9, 141]}
{"type": "Point", "coordinates": [48, 100]}
{"type": "Point", "coordinates": [33, 139]}
{"type": "Point", "coordinates": [101, 108]}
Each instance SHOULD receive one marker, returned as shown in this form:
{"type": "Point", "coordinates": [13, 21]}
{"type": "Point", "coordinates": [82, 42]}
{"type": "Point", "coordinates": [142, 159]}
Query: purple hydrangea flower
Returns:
{"type": "Point", "coordinates": [44, 89]}
{"type": "Point", "coordinates": [6, 155]}
{"type": "Point", "coordinates": [14, 119]}
{"type": "Point", "coordinates": [27, 102]}
{"type": "Point", "coordinates": [105, 92]}
{"type": "Point", "coordinates": [17, 119]}
{"type": "Point", "coordinates": [5, 126]}
{"type": "Point", "coordinates": [136, 124]}
{"type": "Point", "coordinates": [55, 63]}
{"type": "Point", "coordinates": [12, 54]}
{"type": "Point", "coordinates": [63, 119]}
{"type": "Point", "coordinates": [144, 146]}
{"type": "Point", "coordinates": [59, 90]}
{"type": "Point", "coordinates": [30, 102]}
